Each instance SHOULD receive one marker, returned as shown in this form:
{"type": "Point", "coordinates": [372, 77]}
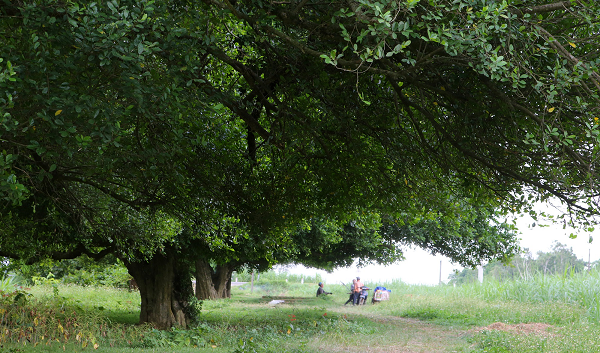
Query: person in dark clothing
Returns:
{"type": "Point", "coordinates": [320, 290]}
{"type": "Point", "coordinates": [351, 300]}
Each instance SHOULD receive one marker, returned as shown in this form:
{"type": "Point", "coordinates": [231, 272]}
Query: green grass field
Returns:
{"type": "Point", "coordinates": [546, 314]}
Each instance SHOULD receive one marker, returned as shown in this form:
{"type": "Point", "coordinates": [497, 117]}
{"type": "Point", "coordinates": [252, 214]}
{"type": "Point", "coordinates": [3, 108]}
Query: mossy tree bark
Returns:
{"type": "Point", "coordinates": [164, 287]}
{"type": "Point", "coordinates": [213, 283]}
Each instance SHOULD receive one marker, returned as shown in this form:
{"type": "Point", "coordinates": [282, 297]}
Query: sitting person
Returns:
{"type": "Point", "coordinates": [320, 290]}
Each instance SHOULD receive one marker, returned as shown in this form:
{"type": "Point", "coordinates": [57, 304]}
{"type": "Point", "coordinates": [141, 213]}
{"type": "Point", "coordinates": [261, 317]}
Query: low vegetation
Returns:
{"type": "Point", "coordinates": [544, 314]}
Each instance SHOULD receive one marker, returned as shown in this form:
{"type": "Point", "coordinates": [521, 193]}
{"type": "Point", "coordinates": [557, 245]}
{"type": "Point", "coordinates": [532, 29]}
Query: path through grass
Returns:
{"type": "Point", "coordinates": [416, 319]}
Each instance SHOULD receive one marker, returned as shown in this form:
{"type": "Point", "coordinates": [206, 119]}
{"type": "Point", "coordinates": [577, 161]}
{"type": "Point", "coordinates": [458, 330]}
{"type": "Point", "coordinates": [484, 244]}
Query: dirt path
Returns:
{"type": "Point", "coordinates": [396, 334]}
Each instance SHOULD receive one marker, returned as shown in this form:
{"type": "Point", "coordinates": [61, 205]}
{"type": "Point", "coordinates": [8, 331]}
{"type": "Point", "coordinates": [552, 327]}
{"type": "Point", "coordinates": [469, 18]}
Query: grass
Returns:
{"type": "Point", "coordinates": [551, 314]}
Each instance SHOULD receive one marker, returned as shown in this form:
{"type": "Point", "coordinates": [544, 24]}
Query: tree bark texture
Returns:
{"type": "Point", "coordinates": [163, 290]}
{"type": "Point", "coordinates": [213, 283]}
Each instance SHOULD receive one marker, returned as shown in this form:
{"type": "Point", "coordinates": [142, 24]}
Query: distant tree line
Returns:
{"type": "Point", "coordinates": [524, 266]}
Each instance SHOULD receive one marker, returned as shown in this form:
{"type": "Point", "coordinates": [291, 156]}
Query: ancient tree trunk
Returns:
{"type": "Point", "coordinates": [163, 291]}
{"type": "Point", "coordinates": [213, 283]}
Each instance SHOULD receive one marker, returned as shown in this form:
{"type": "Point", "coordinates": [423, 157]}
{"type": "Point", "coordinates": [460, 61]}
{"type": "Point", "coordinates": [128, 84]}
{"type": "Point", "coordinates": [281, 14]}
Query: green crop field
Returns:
{"type": "Point", "coordinates": [545, 314]}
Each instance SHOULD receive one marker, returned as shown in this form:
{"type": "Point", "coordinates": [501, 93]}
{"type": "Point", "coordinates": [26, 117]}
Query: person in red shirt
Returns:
{"type": "Point", "coordinates": [357, 289]}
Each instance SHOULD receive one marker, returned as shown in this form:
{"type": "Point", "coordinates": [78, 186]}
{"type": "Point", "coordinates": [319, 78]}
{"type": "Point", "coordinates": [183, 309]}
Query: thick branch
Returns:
{"type": "Point", "coordinates": [548, 7]}
{"type": "Point", "coordinates": [542, 8]}
{"type": "Point", "coordinates": [237, 108]}
{"type": "Point", "coordinates": [136, 204]}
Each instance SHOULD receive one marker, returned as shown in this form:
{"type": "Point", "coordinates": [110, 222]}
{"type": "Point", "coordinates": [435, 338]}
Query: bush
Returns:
{"type": "Point", "coordinates": [82, 271]}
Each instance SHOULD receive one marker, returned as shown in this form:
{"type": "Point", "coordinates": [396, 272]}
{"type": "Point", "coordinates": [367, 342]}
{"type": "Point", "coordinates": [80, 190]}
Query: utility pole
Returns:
{"type": "Point", "coordinates": [440, 282]}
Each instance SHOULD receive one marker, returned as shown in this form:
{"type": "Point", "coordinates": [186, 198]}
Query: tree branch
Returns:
{"type": "Point", "coordinates": [300, 6]}
{"type": "Point", "coordinates": [502, 170]}
{"type": "Point", "coordinates": [237, 108]}
{"type": "Point", "coordinates": [567, 55]}
{"type": "Point", "coordinates": [136, 204]}
{"type": "Point", "coordinates": [541, 8]}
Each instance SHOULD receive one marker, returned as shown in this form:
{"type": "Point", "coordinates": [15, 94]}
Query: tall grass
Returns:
{"type": "Point", "coordinates": [582, 289]}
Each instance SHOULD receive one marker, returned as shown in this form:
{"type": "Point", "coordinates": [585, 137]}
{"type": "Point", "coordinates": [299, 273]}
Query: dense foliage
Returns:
{"type": "Point", "coordinates": [193, 136]}
{"type": "Point", "coordinates": [82, 271]}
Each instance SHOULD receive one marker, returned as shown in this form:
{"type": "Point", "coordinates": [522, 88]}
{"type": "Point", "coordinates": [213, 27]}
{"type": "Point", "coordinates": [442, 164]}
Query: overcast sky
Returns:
{"type": "Point", "coordinates": [422, 268]}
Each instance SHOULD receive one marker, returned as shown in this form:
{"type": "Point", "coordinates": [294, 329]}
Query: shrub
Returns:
{"type": "Point", "coordinates": [82, 271]}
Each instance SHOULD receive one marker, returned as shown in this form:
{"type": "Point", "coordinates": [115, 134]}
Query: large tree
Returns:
{"type": "Point", "coordinates": [124, 122]}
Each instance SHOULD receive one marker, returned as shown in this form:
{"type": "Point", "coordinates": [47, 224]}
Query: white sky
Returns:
{"type": "Point", "coordinates": [422, 268]}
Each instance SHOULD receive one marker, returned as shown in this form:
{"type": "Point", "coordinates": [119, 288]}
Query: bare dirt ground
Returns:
{"type": "Point", "coordinates": [527, 329]}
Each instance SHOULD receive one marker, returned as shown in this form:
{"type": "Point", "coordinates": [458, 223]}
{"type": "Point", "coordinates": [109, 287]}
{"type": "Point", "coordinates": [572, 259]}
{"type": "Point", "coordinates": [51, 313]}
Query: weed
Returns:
{"type": "Point", "coordinates": [194, 309]}
{"type": "Point", "coordinates": [495, 342]}
{"type": "Point", "coordinates": [172, 338]}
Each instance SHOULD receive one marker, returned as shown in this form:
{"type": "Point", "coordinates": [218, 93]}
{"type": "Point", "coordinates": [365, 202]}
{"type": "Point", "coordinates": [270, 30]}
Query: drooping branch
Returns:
{"type": "Point", "coordinates": [490, 166]}
{"type": "Point", "coordinates": [511, 103]}
{"type": "Point", "coordinates": [135, 204]}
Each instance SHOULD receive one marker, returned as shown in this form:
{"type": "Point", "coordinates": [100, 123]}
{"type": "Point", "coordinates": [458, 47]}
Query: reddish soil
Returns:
{"type": "Point", "coordinates": [527, 329]}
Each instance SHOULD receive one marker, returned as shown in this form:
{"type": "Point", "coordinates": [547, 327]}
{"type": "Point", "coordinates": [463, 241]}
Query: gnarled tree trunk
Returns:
{"type": "Point", "coordinates": [213, 283]}
{"type": "Point", "coordinates": [164, 288]}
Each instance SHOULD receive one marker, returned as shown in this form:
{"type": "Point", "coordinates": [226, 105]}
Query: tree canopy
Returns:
{"type": "Point", "coordinates": [155, 129]}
